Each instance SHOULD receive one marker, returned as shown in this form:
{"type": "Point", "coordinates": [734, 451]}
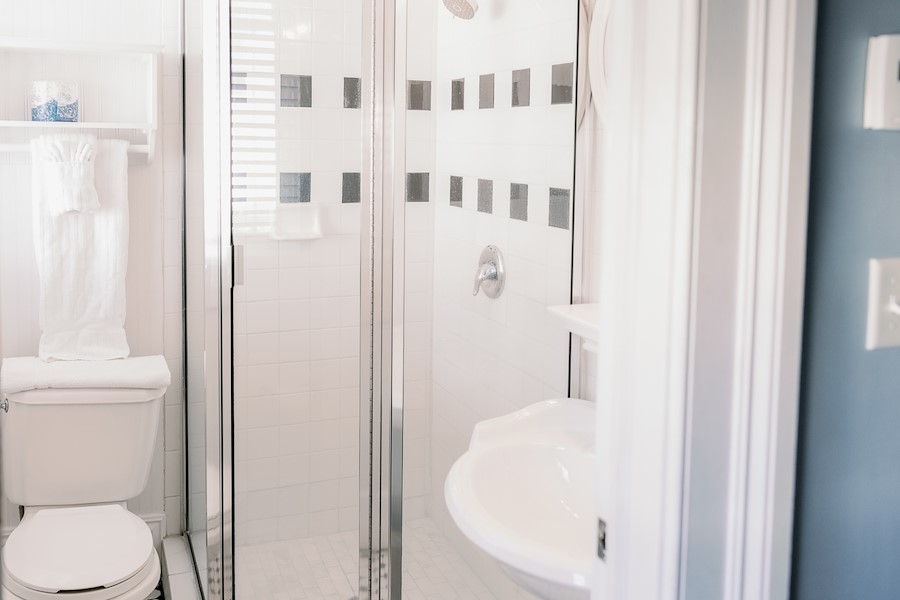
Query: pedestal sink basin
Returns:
{"type": "Point", "coordinates": [523, 493]}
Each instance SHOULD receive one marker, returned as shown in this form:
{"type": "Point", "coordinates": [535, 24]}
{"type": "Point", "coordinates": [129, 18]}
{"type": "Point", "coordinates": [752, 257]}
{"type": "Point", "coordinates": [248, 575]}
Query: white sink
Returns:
{"type": "Point", "coordinates": [524, 493]}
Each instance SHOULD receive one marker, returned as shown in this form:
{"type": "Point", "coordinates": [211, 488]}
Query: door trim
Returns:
{"type": "Point", "coordinates": [701, 289]}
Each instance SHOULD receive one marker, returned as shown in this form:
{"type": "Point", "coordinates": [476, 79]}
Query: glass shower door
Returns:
{"type": "Point", "coordinates": [297, 202]}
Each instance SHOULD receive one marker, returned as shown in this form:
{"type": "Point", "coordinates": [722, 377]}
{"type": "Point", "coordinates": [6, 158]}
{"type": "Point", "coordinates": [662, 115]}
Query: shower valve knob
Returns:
{"type": "Point", "coordinates": [491, 274]}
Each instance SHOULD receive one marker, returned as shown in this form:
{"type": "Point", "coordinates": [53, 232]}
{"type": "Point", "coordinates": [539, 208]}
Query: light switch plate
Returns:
{"type": "Point", "coordinates": [882, 97]}
{"type": "Point", "coordinates": [883, 328]}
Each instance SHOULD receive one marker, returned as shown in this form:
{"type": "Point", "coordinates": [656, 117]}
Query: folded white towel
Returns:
{"type": "Point", "coordinates": [66, 164]}
{"type": "Point", "coordinates": [31, 373]}
{"type": "Point", "coordinates": [82, 258]}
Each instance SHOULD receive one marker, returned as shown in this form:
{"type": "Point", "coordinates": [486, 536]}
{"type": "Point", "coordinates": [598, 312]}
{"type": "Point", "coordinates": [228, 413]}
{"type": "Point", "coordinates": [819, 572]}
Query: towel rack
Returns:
{"type": "Point", "coordinates": [142, 152]}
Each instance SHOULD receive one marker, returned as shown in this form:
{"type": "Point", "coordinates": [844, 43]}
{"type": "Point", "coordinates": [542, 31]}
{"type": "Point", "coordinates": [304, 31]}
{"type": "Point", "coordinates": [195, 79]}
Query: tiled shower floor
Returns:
{"type": "Point", "coordinates": [326, 567]}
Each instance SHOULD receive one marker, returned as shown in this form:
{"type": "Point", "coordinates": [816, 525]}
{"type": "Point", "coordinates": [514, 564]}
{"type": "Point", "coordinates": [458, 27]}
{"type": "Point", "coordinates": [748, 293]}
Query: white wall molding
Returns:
{"type": "Point", "coordinates": [775, 229]}
{"type": "Point", "coordinates": [754, 114]}
{"type": "Point", "coordinates": [701, 287]}
{"type": "Point", "coordinates": [644, 274]}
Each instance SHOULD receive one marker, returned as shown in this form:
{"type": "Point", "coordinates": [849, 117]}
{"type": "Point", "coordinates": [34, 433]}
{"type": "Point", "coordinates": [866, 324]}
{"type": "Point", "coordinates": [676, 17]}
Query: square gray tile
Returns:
{"type": "Point", "coordinates": [352, 92]}
{"type": "Point", "coordinates": [456, 191]}
{"type": "Point", "coordinates": [485, 196]}
{"type": "Point", "coordinates": [521, 87]}
{"type": "Point", "coordinates": [518, 201]}
{"type": "Point", "coordinates": [295, 187]}
{"type": "Point", "coordinates": [486, 91]}
{"type": "Point", "coordinates": [418, 95]}
{"type": "Point", "coordinates": [458, 94]}
{"type": "Point", "coordinates": [563, 84]}
{"type": "Point", "coordinates": [559, 208]}
{"type": "Point", "coordinates": [417, 187]}
{"type": "Point", "coordinates": [350, 188]}
{"type": "Point", "coordinates": [296, 91]}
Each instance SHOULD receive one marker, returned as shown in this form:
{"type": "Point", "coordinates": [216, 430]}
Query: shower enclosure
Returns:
{"type": "Point", "coordinates": [359, 157]}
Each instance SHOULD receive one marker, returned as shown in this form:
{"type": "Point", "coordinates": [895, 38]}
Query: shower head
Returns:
{"type": "Point", "coordinates": [464, 9]}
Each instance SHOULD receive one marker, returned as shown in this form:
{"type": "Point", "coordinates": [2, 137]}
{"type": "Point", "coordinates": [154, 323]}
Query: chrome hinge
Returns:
{"type": "Point", "coordinates": [4, 404]}
{"type": "Point", "coordinates": [601, 539]}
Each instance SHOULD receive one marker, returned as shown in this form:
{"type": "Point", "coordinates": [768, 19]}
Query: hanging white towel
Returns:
{"type": "Point", "coordinates": [82, 259]}
{"type": "Point", "coordinates": [67, 162]}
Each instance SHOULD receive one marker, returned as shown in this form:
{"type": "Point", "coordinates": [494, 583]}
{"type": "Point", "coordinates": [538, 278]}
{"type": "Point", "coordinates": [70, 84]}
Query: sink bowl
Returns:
{"type": "Point", "coordinates": [524, 493]}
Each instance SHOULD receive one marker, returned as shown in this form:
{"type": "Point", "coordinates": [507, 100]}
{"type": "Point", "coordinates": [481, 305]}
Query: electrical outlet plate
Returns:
{"type": "Point", "coordinates": [883, 328]}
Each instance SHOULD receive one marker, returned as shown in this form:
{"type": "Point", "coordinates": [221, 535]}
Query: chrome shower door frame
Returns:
{"type": "Point", "coordinates": [217, 309]}
{"type": "Point", "coordinates": [382, 476]}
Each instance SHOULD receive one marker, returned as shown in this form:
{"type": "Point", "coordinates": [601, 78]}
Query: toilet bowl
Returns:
{"type": "Point", "coordinates": [77, 442]}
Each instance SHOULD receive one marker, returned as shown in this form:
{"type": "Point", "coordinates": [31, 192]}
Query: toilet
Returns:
{"type": "Point", "coordinates": [77, 442]}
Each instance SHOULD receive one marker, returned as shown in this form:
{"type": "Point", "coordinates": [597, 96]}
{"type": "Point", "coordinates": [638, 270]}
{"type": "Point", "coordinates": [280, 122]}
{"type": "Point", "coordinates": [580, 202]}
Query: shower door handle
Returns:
{"type": "Point", "coordinates": [237, 265]}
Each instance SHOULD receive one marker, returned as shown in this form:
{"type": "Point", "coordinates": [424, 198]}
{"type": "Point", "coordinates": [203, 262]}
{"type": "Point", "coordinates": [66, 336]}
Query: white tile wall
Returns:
{"type": "Point", "coordinates": [153, 284]}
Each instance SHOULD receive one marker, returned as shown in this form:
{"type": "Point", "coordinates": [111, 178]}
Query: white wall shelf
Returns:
{"type": "Point", "coordinates": [582, 320]}
{"type": "Point", "coordinates": [30, 45]}
{"type": "Point", "coordinates": [30, 60]}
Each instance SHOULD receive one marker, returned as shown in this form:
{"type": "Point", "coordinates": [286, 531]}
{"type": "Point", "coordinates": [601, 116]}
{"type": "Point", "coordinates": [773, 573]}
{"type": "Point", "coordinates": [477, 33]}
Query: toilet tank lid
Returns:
{"type": "Point", "coordinates": [31, 373]}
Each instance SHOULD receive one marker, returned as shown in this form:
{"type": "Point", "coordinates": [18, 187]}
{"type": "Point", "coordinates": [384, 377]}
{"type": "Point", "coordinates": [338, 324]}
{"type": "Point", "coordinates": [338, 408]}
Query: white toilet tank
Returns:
{"type": "Point", "coordinates": [79, 445]}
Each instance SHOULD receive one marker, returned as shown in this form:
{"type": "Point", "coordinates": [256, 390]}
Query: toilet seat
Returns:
{"type": "Point", "coordinates": [138, 587]}
{"type": "Point", "coordinates": [97, 551]}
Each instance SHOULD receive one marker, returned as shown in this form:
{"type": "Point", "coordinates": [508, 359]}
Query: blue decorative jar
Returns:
{"type": "Point", "coordinates": [54, 101]}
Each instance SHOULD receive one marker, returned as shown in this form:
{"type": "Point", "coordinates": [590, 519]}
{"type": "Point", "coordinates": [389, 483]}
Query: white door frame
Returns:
{"type": "Point", "coordinates": [702, 269]}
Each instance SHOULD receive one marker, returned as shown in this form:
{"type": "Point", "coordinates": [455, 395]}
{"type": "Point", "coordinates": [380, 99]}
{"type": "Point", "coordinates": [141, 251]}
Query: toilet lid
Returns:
{"type": "Point", "coordinates": [77, 548]}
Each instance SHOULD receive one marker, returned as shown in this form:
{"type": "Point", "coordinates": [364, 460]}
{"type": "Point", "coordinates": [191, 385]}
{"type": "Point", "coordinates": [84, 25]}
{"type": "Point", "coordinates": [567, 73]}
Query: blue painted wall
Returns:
{"type": "Point", "coordinates": [847, 519]}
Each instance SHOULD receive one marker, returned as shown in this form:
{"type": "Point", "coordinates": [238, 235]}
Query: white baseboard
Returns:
{"type": "Point", "coordinates": [156, 522]}
{"type": "Point", "coordinates": [4, 534]}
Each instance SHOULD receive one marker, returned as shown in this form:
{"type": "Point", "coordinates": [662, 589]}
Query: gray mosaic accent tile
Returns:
{"type": "Point", "coordinates": [352, 92]}
{"type": "Point", "coordinates": [458, 94]}
{"type": "Point", "coordinates": [418, 95]}
{"type": "Point", "coordinates": [295, 187]}
{"type": "Point", "coordinates": [350, 188]}
{"type": "Point", "coordinates": [485, 196]}
{"type": "Point", "coordinates": [518, 201]}
{"type": "Point", "coordinates": [486, 91]}
{"type": "Point", "coordinates": [296, 91]}
{"type": "Point", "coordinates": [563, 84]}
{"type": "Point", "coordinates": [417, 185]}
{"type": "Point", "coordinates": [456, 191]}
{"type": "Point", "coordinates": [521, 87]}
{"type": "Point", "coordinates": [559, 208]}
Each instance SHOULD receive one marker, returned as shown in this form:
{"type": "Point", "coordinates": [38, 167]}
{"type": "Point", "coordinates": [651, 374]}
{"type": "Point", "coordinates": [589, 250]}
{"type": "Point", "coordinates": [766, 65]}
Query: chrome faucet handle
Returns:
{"type": "Point", "coordinates": [491, 274]}
{"type": "Point", "coordinates": [485, 272]}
